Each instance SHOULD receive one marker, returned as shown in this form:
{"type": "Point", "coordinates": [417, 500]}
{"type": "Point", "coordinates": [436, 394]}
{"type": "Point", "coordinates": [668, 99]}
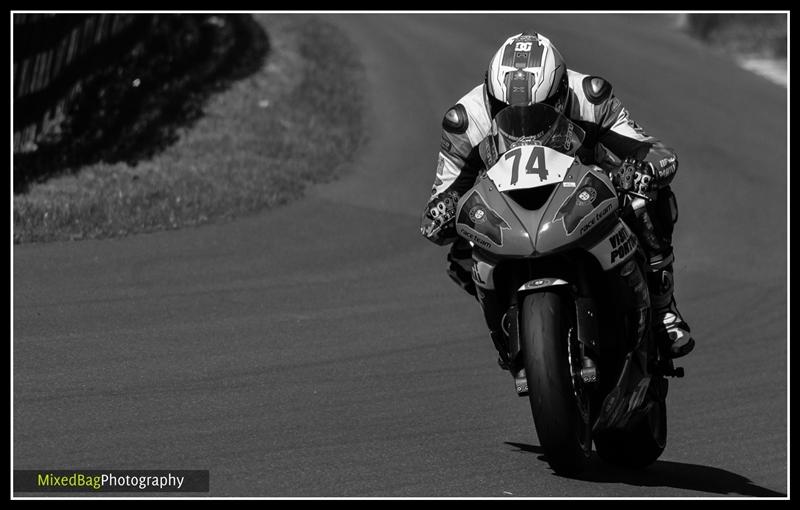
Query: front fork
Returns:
{"type": "Point", "coordinates": [585, 327]}
{"type": "Point", "coordinates": [641, 361]}
{"type": "Point", "coordinates": [506, 332]}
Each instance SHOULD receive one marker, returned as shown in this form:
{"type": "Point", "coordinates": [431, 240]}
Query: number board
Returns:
{"type": "Point", "coordinates": [529, 166]}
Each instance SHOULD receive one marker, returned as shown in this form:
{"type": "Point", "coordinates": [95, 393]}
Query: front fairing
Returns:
{"type": "Point", "coordinates": [537, 197]}
{"type": "Point", "coordinates": [577, 203]}
{"type": "Point", "coordinates": [487, 219]}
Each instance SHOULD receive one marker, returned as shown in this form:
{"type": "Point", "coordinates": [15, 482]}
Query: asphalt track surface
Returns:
{"type": "Point", "coordinates": [320, 350]}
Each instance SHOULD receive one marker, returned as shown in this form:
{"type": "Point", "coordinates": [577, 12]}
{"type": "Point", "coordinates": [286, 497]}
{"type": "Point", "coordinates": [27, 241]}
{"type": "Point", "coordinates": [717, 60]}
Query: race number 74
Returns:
{"type": "Point", "coordinates": [534, 165]}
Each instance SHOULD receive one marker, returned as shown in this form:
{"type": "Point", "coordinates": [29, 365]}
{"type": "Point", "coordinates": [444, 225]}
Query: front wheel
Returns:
{"type": "Point", "coordinates": [549, 348]}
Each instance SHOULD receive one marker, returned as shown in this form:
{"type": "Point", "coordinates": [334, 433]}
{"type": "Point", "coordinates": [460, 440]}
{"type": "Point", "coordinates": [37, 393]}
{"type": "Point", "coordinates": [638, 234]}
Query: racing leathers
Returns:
{"type": "Point", "coordinates": [467, 147]}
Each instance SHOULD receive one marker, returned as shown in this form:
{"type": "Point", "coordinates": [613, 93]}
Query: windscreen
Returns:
{"type": "Point", "coordinates": [537, 124]}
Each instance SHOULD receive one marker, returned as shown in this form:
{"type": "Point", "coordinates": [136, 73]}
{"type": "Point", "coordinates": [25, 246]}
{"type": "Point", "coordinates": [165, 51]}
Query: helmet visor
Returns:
{"type": "Point", "coordinates": [537, 124]}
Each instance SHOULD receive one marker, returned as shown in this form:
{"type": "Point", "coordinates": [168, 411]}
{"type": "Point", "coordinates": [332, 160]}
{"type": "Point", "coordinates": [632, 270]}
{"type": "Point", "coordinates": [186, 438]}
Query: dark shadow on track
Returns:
{"type": "Point", "coordinates": [666, 474]}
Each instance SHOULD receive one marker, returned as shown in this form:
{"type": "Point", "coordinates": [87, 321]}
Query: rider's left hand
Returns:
{"type": "Point", "coordinates": [634, 175]}
{"type": "Point", "coordinates": [643, 177]}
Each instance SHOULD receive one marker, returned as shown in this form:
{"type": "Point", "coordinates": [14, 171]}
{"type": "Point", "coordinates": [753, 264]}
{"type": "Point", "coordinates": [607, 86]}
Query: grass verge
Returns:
{"type": "Point", "coordinates": [297, 120]}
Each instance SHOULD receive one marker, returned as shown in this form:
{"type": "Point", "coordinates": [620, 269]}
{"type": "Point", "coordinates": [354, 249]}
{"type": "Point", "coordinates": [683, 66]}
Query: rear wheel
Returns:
{"type": "Point", "coordinates": [558, 401]}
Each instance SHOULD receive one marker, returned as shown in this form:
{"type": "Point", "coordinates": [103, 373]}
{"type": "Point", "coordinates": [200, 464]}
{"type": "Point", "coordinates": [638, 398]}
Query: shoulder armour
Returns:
{"type": "Point", "coordinates": [596, 89]}
{"type": "Point", "coordinates": [455, 120]}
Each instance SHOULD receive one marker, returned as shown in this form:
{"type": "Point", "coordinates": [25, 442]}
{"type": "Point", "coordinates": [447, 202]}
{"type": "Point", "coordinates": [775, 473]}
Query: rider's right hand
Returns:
{"type": "Point", "coordinates": [438, 221]}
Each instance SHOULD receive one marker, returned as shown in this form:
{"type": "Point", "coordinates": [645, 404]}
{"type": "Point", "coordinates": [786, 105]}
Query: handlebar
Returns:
{"type": "Point", "coordinates": [637, 202]}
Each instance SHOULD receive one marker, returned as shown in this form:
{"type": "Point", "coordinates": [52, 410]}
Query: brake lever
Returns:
{"type": "Point", "coordinates": [639, 195]}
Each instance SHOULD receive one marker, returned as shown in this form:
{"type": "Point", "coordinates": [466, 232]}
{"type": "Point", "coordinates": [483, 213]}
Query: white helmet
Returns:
{"type": "Point", "coordinates": [527, 69]}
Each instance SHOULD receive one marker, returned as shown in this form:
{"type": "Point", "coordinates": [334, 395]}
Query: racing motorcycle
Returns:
{"type": "Point", "coordinates": [553, 238]}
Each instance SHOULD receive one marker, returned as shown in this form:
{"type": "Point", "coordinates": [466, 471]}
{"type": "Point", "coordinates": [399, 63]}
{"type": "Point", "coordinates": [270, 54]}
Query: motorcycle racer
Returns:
{"type": "Point", "coordinates": [528, 69]}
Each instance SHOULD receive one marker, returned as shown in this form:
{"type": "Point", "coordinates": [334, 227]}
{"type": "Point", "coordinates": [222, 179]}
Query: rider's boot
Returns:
{"type": "Point", "coordinates": [672, 331]}
{"type": "Point", "coordinates": [655, 231]}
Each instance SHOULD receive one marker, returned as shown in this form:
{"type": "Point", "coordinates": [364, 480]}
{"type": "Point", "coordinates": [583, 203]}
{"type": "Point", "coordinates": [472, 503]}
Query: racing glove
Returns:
{"type": "Point", "coordinates": [634, 175]}
{"type": "Point", "coordinates": [438, 220]}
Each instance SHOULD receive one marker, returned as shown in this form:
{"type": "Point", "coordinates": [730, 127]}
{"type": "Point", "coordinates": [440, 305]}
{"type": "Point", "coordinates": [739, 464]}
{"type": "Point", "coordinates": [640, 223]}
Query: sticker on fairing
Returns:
{"type": "Point", "coordinates": [588, 195]}
{"type": "Point", "coordinates": [616, 247]}
{"type": "Point", "coordinates": [477, 216]}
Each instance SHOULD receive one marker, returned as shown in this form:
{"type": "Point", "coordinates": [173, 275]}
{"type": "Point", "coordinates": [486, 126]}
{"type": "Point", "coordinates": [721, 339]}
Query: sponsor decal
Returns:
{"type": "Point", "coordinates": [622, 243]}
{"type": "Point", "coordinates": [591, 193]}
{"type": "Point", "coordinates": [597, 217]}
{"type": "Point", "coordinates": [586, 195]}
{"type": "Point", "coordinates": [478, 216]}
{"type": "Point", "coordinates": [474, 238]}
{"type": "Point", "coordinates": [568, 139]}
{"type": "Point", "coordinates": [666, 167]}
{"type": "Point", "coordinates": [568, 184]}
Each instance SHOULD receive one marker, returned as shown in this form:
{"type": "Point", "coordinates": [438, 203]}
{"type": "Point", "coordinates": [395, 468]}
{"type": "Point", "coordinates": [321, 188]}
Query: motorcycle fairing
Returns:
{"type": "Point", "coordinates": [501, 226]}
{"type": "Point", "coordinates": [590, 194]}
{"type": "Point", "coordinates": [618, 246]}
{"type": "Point", "coordinates": [484, 218]}
{"type": "Point", "coordinates": [483, 273]}
{"type": "Point", "coordinates": [583, 199]}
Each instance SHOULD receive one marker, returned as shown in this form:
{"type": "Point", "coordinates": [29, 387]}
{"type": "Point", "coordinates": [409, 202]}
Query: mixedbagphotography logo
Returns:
{"type": "Point", "coordinates": [33, 480]}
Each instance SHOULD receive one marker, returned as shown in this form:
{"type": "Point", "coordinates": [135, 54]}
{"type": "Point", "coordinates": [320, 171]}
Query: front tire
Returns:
{"type": "Point", "coordinates": [563, 430]}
